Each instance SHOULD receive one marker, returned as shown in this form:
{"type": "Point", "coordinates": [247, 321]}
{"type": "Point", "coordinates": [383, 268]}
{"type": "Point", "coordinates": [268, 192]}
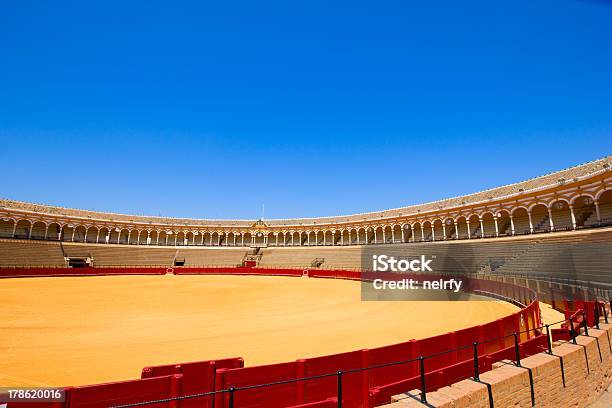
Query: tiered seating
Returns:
{"type": "Point", "coordinates": [226, 256]}
{"type": "Point", "coordinates": [106, 255]}
{"type": "Point", "coordinates": [334, 256]}
{"type": "Point", "coordinates": [583, 255]}
{"type": "Point", "coordinates": [30, 253]}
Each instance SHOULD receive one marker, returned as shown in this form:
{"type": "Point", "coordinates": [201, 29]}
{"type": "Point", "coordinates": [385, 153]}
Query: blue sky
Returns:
{"type": "Point", "coordinates": [209, 109]}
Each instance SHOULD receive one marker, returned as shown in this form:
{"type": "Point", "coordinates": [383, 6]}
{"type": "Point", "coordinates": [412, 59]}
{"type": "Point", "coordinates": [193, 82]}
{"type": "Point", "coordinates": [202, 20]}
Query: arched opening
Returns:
{"type": "Point", "coordinates": [79, 233]}
{"type": "Point", "coordinates": [419, 232]}
{"type": "Point", "coordinates": [23, 229]}
{"type": "Point", "coordinates": [475, 230]}
{"type": "Point", "coordinates": [561, 215]}
{"type": "Point", "coordinates": [53, 231]}
{"type": "Point", "coordinates": [427, 231]}
{"type": "Point", "coordinates": [407, 236]}
{"type": "Point", "coordinates": [248, 238]}
{"type": "Point", "coordinates": [488, 223]}
{"type": "Point", "coordinates": [68, 232]}
{"type": "Point", "coordinates": [388, 234]}
{"type": "Point", "coordinates": [361, 236]}
{"type": "Point", "coordinates": [369, 235]}
{"type": "Point", "coordinates": [38, 230]}
{"type": "Point", "coordinates": [154, 238]}
{"type": "Point", "coordinates": [520, 219]}
{"type": "Point", "coordinates": [604, 203]}
{"type": "Point", "coordinates": [353, 234]}
{"type": "Point", "coordinates": [124, 236]}
{"type": "Point", "coordinates": [114, 235]}
{"type": "Point", "coordinates": [449, 226]}
{"type": "Point", "coordinates": [215, 239]}
{"type": "Point", "coordinates": [540, 218]}
{"type": "Point", "coordinates": [462, 228]}
{"type": "Point", "coordinates": [396, 234]}
{"type": "Point", "coordinates": [92, 234]}
{"type": "Point", "coordinates": [329, 238]}
{"type": "Point", "coordinates": [584, 211]}
{"type": "Point", "coordinates": [6, 227]}
{"type": "Point", "coordinates": [503, 222]}
{"type": "Point", "coordinates": [133, 237]}
{"type": "Point", "coordinates": [142, 237]}
{"type": "Point", "coordinates": [259, 238]}
{"type": "Point", "coordinates": [378, 235]}
{"type": "Point", "coordinates": [163, 238]}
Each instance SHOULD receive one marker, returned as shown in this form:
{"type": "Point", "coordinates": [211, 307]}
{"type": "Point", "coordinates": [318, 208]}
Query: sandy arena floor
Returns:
{"type": "Point", "coordinates": [72, 331]}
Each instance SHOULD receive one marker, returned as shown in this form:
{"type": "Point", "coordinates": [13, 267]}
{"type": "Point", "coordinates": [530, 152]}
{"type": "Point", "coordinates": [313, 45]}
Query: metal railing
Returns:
{"type": "Point", "coordinates": [542, 330]}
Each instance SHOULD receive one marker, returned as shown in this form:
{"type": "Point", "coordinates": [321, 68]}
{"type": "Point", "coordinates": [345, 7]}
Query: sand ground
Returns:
{"type": "Point", "coordinates": [72, 331]}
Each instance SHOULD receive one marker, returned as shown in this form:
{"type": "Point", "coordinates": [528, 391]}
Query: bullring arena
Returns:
{"type": "Point", "coordinates": [122, 310]}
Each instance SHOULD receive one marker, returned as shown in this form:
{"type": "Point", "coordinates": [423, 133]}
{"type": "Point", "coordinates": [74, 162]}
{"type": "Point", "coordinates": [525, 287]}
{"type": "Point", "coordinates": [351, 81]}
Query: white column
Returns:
{"type": "Point", "coordinates": [467, 222]}
{"type": "Point", "coordinates": [393, 235]}
{"type": "Point", "coordinates": [530, 222]}
{"type": "Point", "coordinates": [443, 231]}
{"type": "Point", "coordinates": [403, 235]}
{"type": "Point", "coordinates": [573, 216]}
{"type": "Point", "coordinates": [511, 224]}
{"type": "Point", "coordinates": [482, 231]}
{"type": "Point", "coordinates": [107, 237]}
{"type": "Point", "coordinates": [73, 231]}
{"type": "Point", "coordinates": [496, 227]}
{"type": "Point", "coordinates": [148, 237]}
{"type": "Point", "coordinates": [550, 219]}
{"type": "Point", "coordinates": [218, 239]}
{"type": "Point", "coordinates": [422, 233]}
{"type": "Point", "coordinates": [30, 232]}
{"type": "Point", "coordinates": [234, 239]}
{"type": "Point", "coordinates": [411, 234]}
{"type": "Point", "coordinates": [456, 230]}
{"type": "Point", "coordinates": [157, 239]}
{"type": "Point", "coordinates": [596, 202]}
{"type": "Point", "coordinates": [308, 239]}
{"type": "Point", "coordinates": [375, 237]}
{"type": "Point", "coordinates": [241, 239]}
{"type": "Point", "coordinates": [433, 233]}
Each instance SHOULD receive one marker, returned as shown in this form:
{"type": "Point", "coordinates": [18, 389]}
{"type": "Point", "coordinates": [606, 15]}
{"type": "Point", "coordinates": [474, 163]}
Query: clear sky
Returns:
{"type": "Point", "coordinates": [210, 108]}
